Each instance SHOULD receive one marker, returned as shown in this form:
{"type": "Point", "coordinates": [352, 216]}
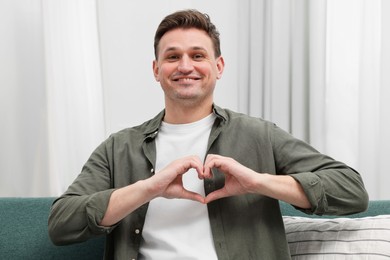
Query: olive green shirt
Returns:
{"type": "Point", "coordinates": [243, 227]}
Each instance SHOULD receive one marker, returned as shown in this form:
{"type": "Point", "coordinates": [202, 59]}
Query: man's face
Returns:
{"type": "Point", "coordinates": [186, 67]}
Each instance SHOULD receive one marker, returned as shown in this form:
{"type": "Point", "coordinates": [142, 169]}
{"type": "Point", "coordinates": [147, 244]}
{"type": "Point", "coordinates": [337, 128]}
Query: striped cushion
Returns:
{"type": "Point", "coordinates": [338, 238]}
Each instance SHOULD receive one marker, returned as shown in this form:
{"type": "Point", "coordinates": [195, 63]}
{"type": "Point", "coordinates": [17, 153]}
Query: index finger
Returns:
{"type": "Point", "coordinates": [212, 161]}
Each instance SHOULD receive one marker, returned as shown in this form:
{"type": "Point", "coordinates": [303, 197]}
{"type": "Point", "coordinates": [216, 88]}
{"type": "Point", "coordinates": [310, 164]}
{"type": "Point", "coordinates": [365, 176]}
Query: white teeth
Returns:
{"type": "Point", "coordinates": [186, 79]}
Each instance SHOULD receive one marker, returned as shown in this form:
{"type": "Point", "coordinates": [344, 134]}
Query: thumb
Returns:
{"type": "Point", "coordinates": [186, 194]}
{"type": "Point", "coordinates": [215, 195]}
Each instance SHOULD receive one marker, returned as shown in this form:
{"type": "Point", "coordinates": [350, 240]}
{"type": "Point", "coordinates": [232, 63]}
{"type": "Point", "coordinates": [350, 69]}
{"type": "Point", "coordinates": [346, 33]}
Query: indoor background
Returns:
{"type": "Point", "coordinates": [72, 72]}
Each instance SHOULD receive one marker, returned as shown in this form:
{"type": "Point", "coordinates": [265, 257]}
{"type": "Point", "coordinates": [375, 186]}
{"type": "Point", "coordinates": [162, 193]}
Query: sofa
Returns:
{"type": "Point", "coordinates": [24, 231]}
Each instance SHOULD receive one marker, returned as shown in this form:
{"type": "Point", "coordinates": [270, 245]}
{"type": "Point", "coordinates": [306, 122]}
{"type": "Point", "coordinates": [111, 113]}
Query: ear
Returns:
{"type": "Point", "coordinates": [156, 70]}
{"type": "Point", "coordinates": [220, 67]}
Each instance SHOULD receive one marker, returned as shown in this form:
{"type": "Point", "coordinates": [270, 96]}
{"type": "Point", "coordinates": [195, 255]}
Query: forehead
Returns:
{"type": "Point", "coordinates": [183, 39]}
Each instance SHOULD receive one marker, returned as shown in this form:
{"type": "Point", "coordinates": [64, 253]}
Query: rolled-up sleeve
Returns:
{"type": "Point", "coordinates": [314, 191]}
{"type": "Point", "coordinates": [75, 216]}
{"type": "Point", "coordinates": [332, 187]}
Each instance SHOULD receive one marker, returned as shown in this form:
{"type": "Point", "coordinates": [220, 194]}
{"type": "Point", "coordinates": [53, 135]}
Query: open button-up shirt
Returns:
{"type": "Point", "coordinates": [243, 227]}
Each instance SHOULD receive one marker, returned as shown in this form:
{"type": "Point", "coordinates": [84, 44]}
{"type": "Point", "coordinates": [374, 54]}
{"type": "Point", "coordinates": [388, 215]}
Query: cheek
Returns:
{"type": "Point", "coordinates": [165, 71]}
{"type": "Point", "coordinates": [208, 69]}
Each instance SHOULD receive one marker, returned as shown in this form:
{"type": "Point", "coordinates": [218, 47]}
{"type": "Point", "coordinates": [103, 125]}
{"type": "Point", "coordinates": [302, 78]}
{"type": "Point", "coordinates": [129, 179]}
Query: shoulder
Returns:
{"type": "Point", "coordinates": [137, 133]}
{"type": "Point", "coordinates": [240, 124]}
{"type": "Point", "coordinates": [236, 119]}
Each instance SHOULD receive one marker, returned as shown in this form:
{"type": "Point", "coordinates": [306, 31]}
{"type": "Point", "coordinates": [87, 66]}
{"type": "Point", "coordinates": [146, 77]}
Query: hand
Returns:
{"type": "Point", "coordinates": [168, 182]}
{"type": "Point", "coordinates": [238, 178]}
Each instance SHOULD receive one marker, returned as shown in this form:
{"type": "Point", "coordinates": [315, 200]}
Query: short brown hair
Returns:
{"type": "Point", "coordinates": [187, 19]}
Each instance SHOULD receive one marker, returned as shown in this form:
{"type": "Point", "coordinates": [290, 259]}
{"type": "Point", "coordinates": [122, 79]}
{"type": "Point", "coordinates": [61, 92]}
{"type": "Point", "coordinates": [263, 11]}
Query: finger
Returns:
{"type": "Point", "coordinates": [195, 163]}
{"type": "Point", "coordinates": [215, 195]}
{"type": "Point", "coordinates": [212, 161]}
{"type": "Point", "coordinates": [198, 166]}
{"type": "Point", "coordinates": [192, 196]}
{"type": "Point", "coordinates": [208, 166]}
{"type": "Point", "coordinates": [200, 171]}
{"type": "Point", "coordinates": [207, 173]}
{"type": "Point", "coordinates": [192, 162]}
{"type": "Point", "coordinates": [210, 157]}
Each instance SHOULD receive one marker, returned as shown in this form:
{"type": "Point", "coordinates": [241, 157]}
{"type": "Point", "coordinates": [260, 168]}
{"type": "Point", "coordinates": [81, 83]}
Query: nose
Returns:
{"type": "Point", "coordinates": [185, 64]}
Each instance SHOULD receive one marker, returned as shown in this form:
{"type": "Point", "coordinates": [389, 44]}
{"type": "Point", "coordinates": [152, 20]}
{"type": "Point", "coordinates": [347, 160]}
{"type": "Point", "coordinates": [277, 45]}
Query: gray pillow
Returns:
{"type": "Point", "coordinates": [338, 238]}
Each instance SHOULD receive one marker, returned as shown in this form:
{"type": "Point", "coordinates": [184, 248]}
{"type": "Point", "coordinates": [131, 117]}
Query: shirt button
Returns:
{"type": "Point", "coordinates": [152, 170]}
{"type": "Point", "coordinates": [137, 231]}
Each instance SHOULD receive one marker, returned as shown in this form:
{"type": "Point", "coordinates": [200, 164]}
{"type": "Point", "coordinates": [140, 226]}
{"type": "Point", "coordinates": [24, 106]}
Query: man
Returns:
{"type": "Point", "coordinates": [198, 181]}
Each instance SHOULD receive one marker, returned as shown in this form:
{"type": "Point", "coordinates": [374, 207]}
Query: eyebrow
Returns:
{"type": "Point", "coordinates": [195, 48]}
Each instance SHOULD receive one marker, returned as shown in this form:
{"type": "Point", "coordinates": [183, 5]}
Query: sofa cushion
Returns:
{"type": "Point", "coordinates": [338, 238]}
{"type": "Point", "coordinates": [24, 233]}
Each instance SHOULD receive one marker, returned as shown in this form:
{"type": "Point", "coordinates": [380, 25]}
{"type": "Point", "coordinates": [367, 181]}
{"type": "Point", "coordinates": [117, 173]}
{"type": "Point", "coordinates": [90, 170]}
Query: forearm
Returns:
{"type": "Point", "coordinates": [282, 187]}
{"type": "Point", "coordinates": [124, 201]}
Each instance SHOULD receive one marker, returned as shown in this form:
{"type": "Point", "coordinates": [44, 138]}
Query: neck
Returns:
{"type": "Point", "coordinates": [185, 115]}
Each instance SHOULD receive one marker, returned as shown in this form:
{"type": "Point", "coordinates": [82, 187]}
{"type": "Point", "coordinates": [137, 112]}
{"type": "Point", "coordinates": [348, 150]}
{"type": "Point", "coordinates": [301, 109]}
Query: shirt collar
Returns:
{"type": "Point", "coordinates": [152, 126]}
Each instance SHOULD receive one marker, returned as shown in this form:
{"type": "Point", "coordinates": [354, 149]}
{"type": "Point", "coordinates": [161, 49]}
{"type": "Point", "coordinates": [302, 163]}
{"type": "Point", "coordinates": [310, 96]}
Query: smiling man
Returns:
{"type": "Point", "coordinates": [187, 68]}
{"type": "Point", "coordinates": [198, 181]}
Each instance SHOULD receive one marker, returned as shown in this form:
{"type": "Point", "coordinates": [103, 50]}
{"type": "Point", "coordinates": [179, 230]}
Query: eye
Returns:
{"type": "Point", "coordinates": [172, 57]}
{"type": "Point", "coordinates": [198, 56]}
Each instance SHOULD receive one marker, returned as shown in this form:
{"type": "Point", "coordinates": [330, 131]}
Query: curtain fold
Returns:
{"type": "Point", "coordinates": [52, 103]}
{"type": "Point", "coordinates": [23, 132]}
{"type": "Point", "coordinates": [384, 128]}
{"type": "Point", "coordinates": [74, 89]}
{"type": "Point", "coordinates": [285, 50]}
{"type": "Point", "coordinates": [356, 96]}
{"type": "Point", "coordinates": [318, 70]}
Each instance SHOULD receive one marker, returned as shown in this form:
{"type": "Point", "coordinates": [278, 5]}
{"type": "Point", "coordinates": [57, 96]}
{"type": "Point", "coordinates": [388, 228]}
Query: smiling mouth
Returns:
{"type": "Point", "coordinates": [185, 80]}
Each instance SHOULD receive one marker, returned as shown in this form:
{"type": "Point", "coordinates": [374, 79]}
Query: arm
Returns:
{"type": "Point", "coordinates": [96, 201]}
{"type": "Point", "coordinates": [167, 183]}
{"type": "Point", "coordinates": [241, 180]}
{"type": "Point", "coordinates": [331, 187]}
{"type": "Point", "coordinates": [75, 217]}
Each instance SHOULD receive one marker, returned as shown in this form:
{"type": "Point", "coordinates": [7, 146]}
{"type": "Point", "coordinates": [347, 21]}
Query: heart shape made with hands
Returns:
{"type": "Point", "coordinates": [192, 185]}
{"type": "Point", "coordinates": [224, 177]}
{"type": "Point", "coordinates": [228, 176]}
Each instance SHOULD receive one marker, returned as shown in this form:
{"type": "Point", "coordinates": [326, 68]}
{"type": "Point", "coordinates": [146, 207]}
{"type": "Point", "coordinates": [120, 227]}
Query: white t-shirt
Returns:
{"type": "Point", "coordinates": [179, 228]}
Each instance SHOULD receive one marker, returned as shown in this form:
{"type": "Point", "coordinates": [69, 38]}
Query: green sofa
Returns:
{"type": "Point", "coordinates": [24, 230]}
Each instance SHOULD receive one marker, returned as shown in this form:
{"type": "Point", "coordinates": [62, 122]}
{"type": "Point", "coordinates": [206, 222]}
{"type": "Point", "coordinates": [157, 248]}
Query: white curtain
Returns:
{"type": "Point", "coordinates": [72, 72]}
{"type": "Point", "coordinates": [285, 66]}
{"type": "Point", "coordinates": [51, 93]}
{"type": "Point", "coordinates": [22, 100]}
{"type": "Point", "coordinates": [74, 90]}
{"type": "Point", "coordinates": [319, 69]}
{"type": "Point", "coordinates": [357, 88]}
